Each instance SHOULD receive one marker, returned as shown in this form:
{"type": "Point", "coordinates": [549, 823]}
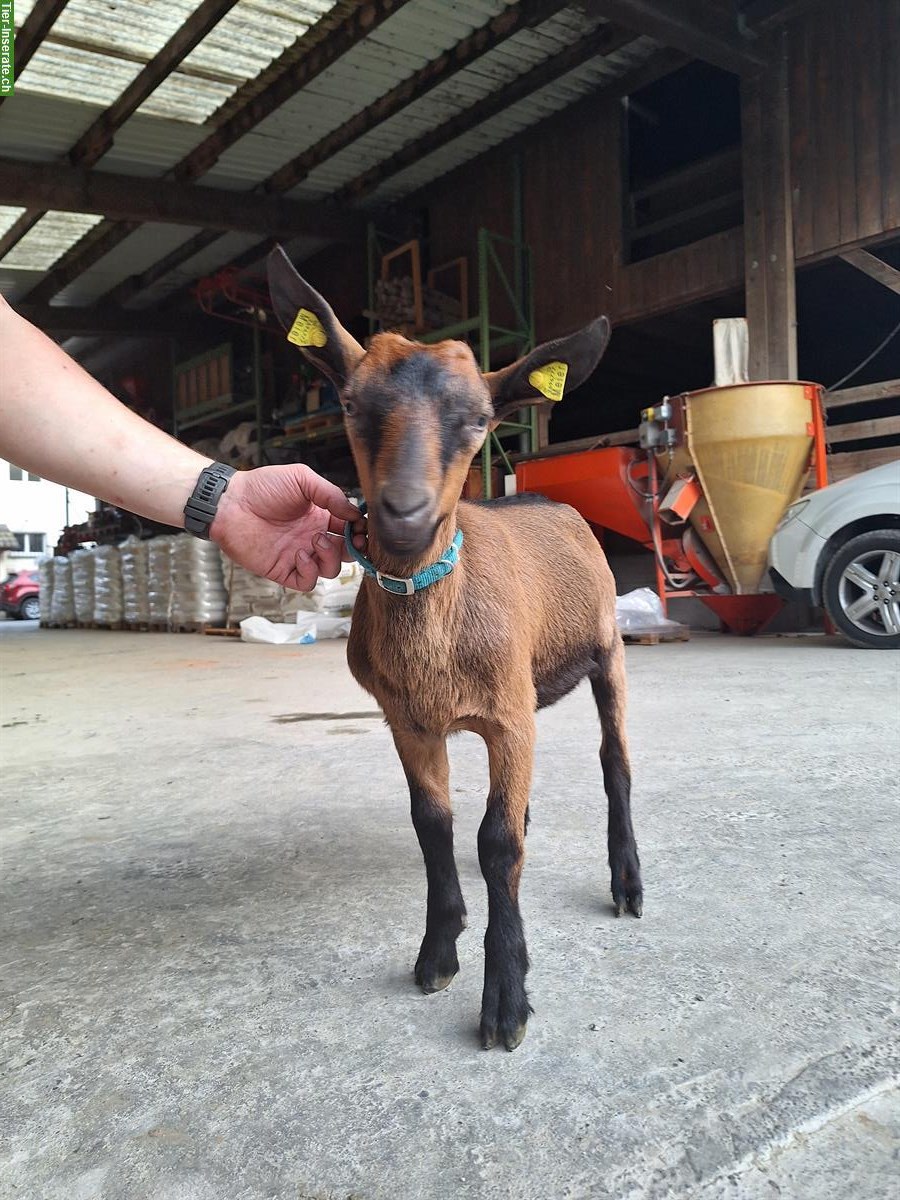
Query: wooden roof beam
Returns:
{"type": "Point", "coordinates": [35, 28]}
{"type": "Point", "coordinates": [875, 268]}
{"type": "Point", "coordinates": [487, 37]}
{"type": "Point", "coordinates": [69, 321]}
{"type": "Point", "coordinates": [136, 199]}
{"type": "Point", "coordinates": [96, 140]}
{"type": "Point", "coordinates": [603, 41]}
{"type": "Point", "coordinates": [293, 70]}
{"type": "Point", "coordinates": [524, 15]}
{"type": "Point", "coordinates": [690, 26]}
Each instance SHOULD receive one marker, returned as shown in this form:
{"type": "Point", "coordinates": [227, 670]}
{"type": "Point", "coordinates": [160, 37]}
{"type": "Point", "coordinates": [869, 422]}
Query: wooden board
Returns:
{"type": "Point", "coordinates": [842, 466]}
{"type": "Point", "coordinates": [653, 637]}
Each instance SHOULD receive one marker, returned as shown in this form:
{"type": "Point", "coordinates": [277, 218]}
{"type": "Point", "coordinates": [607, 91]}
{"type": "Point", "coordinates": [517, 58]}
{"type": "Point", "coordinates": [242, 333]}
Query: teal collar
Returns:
{"type": "Point", "coordinates": [415, 583]}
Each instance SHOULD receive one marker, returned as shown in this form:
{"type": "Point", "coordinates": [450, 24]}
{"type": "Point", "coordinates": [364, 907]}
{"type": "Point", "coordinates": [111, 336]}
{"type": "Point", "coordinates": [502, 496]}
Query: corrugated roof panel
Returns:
{"type": "Point", "coordinates": [150, 146]}
{"type": "Point", "coordinates": [97, 47]}
{"type": "Point", "coordinates": [421, 31]}
{"type": "Point", "coordinates": [246, 40]}
{"type": "Point", "coordinates": [42, 128]}
{"type": "Point", "coordinates": [490, 73]}
{"type": "Point", "coordinates": [221, 252]}
{"type": "Point", "coordinates": [136, 253]}
{"type": "Point", "coordinates": [8, 217]}
{"type": "Point", "coordinates": [556, 96]}
{"type": "Point", "coordinates": [48, 240]}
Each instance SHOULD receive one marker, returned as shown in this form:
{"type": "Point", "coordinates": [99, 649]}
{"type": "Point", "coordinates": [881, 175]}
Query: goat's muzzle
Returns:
{"type": "Point", "coordinates": [405, 518]}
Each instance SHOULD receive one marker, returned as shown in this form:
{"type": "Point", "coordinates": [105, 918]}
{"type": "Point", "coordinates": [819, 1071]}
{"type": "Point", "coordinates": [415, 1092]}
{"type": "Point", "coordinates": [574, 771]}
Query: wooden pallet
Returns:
{"type": "Point", "coordinates": [106, 625]}
{"type": "Point", "coordinates": [226, 631]}
{"type": "Point", "coordinates": [653, 637]}
{"type": "Point", "coordinates": [137, 626]}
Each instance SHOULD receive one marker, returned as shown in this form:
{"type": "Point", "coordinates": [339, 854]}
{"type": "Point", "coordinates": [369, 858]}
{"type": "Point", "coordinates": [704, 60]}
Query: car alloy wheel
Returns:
{"type": "Point", "coordinates": [862, 589]}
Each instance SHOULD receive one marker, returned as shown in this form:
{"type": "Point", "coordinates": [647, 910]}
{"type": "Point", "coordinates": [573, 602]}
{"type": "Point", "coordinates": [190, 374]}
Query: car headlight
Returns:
{"type": "Point", "coordinates": [790, 513]}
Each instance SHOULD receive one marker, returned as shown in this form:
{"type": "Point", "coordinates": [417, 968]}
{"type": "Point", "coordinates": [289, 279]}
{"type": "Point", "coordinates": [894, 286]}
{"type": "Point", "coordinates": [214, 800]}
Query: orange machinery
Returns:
{"type": "Point", "coordinates": [705, 492]}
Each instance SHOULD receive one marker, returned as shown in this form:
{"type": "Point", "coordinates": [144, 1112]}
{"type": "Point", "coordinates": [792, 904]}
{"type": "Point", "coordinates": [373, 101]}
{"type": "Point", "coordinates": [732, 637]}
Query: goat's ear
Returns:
{"type": "Point", "coordinates": [550, 371]}
{"type": "Point", "coordinates": [310, 322]}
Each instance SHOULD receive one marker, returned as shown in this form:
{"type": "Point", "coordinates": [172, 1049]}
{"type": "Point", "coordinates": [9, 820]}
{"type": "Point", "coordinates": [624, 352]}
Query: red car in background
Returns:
{"type": "Point", "coordinates": [20, 596]}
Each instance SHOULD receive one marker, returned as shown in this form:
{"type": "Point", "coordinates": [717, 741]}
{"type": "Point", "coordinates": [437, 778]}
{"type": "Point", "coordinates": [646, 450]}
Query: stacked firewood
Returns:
{"type": "Point", "coordinates": [395, 304]}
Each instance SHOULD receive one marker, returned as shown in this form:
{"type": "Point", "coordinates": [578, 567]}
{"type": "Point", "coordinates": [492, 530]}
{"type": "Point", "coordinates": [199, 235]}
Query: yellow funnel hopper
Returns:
{"type": "Point", "coordinates": [750, 447]}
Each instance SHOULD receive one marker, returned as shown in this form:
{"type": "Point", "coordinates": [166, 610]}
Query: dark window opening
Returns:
{"type": "Point", "coordinates": [33, 478]}
{"type": "Point", "coordinates": [683, 160]}
{"type": "Point", "coordinates": [15, 472]}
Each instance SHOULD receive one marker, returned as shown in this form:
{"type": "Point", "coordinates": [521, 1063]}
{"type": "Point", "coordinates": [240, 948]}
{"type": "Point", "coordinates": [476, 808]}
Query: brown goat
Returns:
{"type": "Point", "coordinates": [527, 613]}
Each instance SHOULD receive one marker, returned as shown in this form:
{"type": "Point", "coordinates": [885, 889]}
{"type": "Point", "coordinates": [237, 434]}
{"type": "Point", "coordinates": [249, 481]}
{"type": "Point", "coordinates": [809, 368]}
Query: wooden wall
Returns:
{"type": "Point", "coordinates": [845, 145]}
{"type": "Point", "coordinates": [845, 123]}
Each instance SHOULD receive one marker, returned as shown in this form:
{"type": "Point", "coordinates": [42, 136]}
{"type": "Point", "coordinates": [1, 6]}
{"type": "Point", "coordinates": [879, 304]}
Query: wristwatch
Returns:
{"type": "Point", "coordinates": [200, 510]}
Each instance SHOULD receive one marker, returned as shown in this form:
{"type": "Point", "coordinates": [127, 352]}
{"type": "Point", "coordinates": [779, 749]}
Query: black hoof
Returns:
{"type": "Point", "coordinates": [627, 889]}
{"type": "Point", "coordinates": [436, 967]}
{"type": "Point", "coordinates": [506, 1026]}
{"type": "Point", "coordinates": [630, 903]}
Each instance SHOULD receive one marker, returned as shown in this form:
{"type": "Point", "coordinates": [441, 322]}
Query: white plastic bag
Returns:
{"type": "Point", "coordinates": [325, 625]}
{"type": "Point", "coordinates": [107, 585]}
{"type": "Point", "coordinates": [82, 561]}
{"type": "Point", "coordinates": [274, 633]}
{"type": "Point", "coordinates": [640, 611]}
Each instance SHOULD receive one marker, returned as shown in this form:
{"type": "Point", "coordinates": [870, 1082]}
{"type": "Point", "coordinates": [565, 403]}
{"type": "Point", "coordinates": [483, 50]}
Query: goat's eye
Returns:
{"type": "Point", "coordinates": [482, 422]}
{"type": "Point", "coordinates": [349, 408]}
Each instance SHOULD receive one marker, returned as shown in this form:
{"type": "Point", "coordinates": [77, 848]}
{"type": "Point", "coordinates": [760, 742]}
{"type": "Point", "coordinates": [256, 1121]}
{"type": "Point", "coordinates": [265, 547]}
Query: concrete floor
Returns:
{"type": "Point", "coordinates": [211, 910]}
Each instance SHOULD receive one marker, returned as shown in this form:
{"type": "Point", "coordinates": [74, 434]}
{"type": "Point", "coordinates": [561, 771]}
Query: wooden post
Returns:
{"type": "Point", "coordinates": [768, 220]}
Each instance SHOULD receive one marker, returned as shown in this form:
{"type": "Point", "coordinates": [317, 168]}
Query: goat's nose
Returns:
{"type": "Point", "coordinates": [405, 503]}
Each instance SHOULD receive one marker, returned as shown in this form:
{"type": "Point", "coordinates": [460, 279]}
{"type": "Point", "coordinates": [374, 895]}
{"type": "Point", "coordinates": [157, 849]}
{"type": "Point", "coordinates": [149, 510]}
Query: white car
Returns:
{"type": "Point", "coordinates": [840, 548]}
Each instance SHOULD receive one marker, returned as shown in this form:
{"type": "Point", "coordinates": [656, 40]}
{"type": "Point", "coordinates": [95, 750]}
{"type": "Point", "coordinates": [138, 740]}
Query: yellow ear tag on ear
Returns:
{"type": "Point", "coordinates": [307, 330]}
{"type": "Point", "coordinates": [550, 379]}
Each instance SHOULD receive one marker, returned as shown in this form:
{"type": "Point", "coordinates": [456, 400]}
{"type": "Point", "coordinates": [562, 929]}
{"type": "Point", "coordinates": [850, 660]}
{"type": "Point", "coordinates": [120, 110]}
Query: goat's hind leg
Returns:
{"type": "Point", "coordinates": [424, 759]}
{"type": "Point", "coordinates": [610, 693]}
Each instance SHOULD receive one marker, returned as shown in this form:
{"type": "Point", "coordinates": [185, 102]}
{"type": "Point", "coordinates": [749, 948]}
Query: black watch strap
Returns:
{"type": "Point", "coordinates": [200, 510]}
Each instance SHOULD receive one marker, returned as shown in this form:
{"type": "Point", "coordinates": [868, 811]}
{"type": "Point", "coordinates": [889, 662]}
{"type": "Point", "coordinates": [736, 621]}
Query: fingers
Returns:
{"type": "Point", "coordinates": [305, 573]}
{"type": "Point", "coordinates": [336, 525]}
{"type": "Point", "coordinates": [327, 495]}
{"type": "Point", "coordinates": [327, 553]}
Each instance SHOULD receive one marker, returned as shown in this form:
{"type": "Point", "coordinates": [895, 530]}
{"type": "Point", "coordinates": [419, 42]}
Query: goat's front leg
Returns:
{"type": "Point", "coordinates": [424, 759]}
{"type": "Point", "coordinates": [501, 852]}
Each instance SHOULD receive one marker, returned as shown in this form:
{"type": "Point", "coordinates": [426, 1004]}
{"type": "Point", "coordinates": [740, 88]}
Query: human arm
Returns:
{"type": "Point", "coordinates": [60, 423]}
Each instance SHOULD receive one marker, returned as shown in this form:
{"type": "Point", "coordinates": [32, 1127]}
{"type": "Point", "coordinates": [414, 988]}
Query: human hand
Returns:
{"type": "Point", "coordinates": [285, 523]}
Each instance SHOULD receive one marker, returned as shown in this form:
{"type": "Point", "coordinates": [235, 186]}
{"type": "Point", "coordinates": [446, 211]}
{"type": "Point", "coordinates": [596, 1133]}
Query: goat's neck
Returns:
{"type": "Point", "coordinates": [406, 568]}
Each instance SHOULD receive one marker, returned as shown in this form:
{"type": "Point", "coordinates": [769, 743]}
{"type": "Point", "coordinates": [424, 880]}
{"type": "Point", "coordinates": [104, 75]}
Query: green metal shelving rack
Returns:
{"type": "Point", "coordinates": [487, 337]}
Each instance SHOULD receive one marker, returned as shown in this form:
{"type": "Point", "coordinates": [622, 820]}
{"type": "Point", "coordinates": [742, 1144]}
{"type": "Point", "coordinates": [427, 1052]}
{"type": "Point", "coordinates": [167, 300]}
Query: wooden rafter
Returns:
{"type": "Point", "coordinates": [136, 200]}
{"type": "Point", "coordinates": [662, 62]}
{"type": "Point", "coordinates": [34, 29]}
{"type": "Point", "coordinates": [69, 321]}
{"type": "Point", "coordinates": [96, 140]}
{"type": "Point", "coordinates": [294, 70]}
{"type": "Point", "coordinates": [605, 40]}
{"type": "Point", "coordinates": [875, 268]}
{"type": "Point", "coordinates": [691, 26]}
{"type": "Point", "coordinates": [523, 15]}
{"type": "Point", "coordinates": [511, 20]}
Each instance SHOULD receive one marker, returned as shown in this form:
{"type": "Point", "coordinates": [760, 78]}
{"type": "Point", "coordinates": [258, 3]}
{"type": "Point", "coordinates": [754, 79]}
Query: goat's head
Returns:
{"type": "Point", "coordinates": [417, 414]}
